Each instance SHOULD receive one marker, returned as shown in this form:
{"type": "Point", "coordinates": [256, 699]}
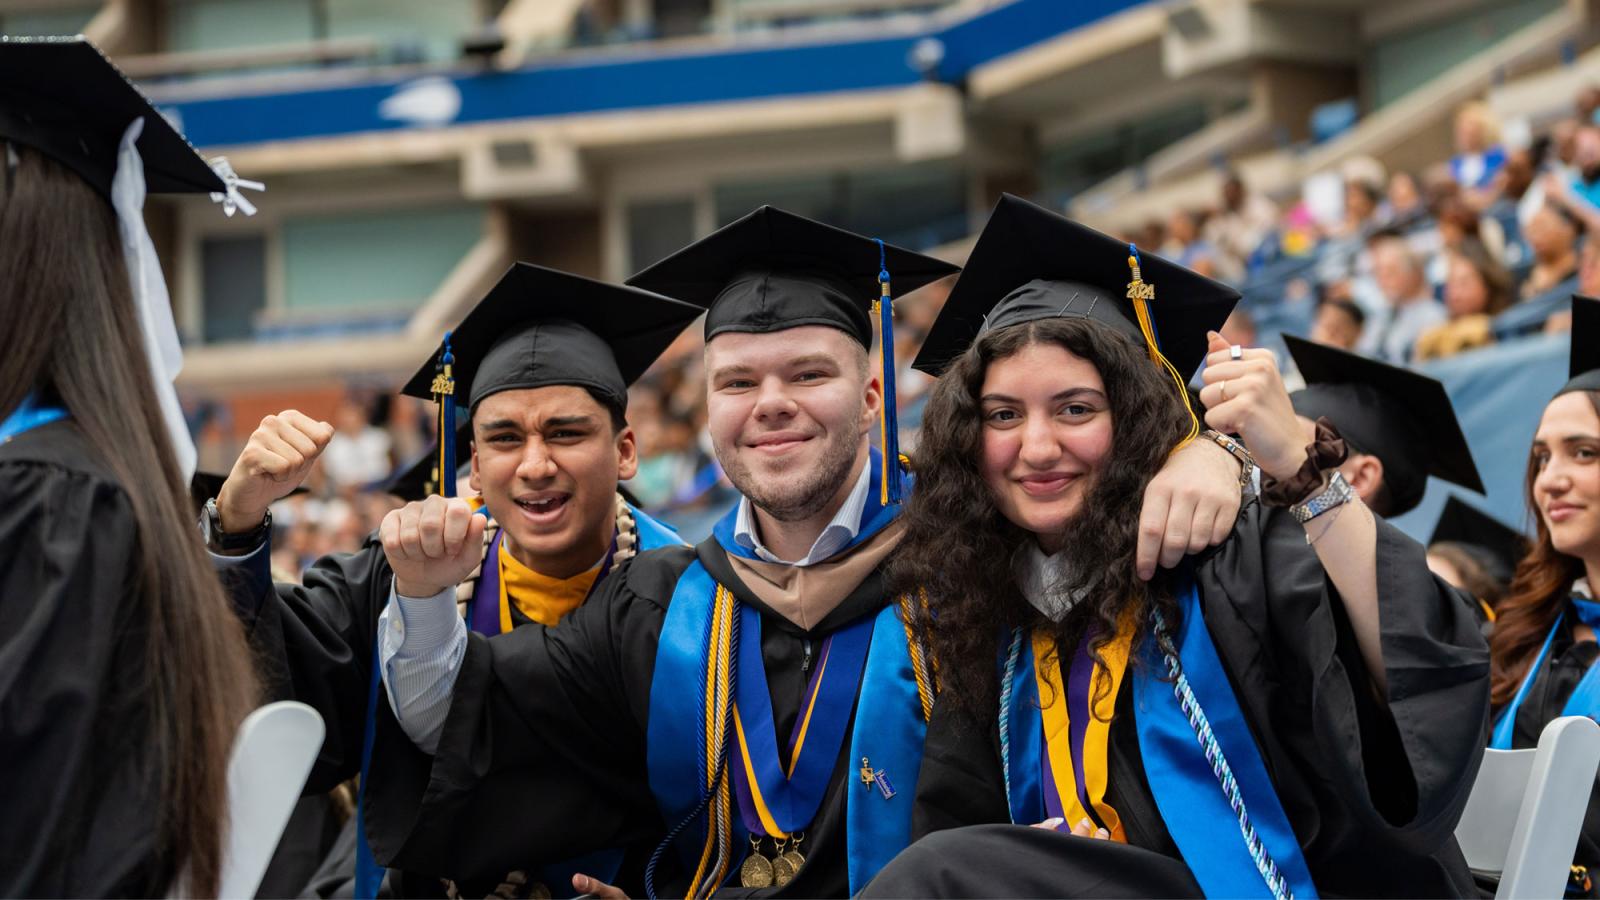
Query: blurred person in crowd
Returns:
{"type": "Point", "coordinates": [359, 454]}
{"type": "Point", "coordinates": [1152, 234]}
{"type": "Point", "coordinates": [1583, 184]}
{"type": "Point", "coordinates": [1587, 103]}
{"type": "Point", "coordinates": [1241, 223]}
{"type": "Point", "coordinates": [1476, 289]}
{"type": "Point", "coordinates": [1479, 154]}
{"type": "Point", "coordinates": [1542, 651]}
{"type": "Point", "coordinates": [123, 674]}
{"type": "Point", "coordinates": [1338, 319]}
{"type": "Point", "coordinates": [1553, 240]}
{"type": "Point", "coordinates": [1409, 306]}
{"type": "Point", "coordinates": [1403, 204]}
{"type": "Point", "coordinates": [1361, 198]}
{"type": "Point", "coordinates": [1457, 224]}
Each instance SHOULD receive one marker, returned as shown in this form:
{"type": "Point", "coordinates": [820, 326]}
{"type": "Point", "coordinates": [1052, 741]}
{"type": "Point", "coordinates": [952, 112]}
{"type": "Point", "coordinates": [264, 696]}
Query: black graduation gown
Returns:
{"type": "Point", "coordinates": [543, 753]}
{"type": "Point", "coordinates": [1552, 685]}
{"type": "Point", "coordinates": [314, 643]}
{"type": "Point", "coordinates": [1374, 796]}
{"type": "Point", "coordinates": [80, 782]}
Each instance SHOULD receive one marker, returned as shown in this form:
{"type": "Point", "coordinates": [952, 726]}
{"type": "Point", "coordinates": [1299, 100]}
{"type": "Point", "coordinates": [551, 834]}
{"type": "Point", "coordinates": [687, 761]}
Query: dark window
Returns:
{"type": "Point", "coordinates": [233, 286]}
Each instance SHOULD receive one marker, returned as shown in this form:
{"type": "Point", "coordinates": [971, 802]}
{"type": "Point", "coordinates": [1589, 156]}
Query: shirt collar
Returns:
{"type": "Point", "coordinates": [1039, 577]}
{"type": "Point", "coordinates": [844, 527]}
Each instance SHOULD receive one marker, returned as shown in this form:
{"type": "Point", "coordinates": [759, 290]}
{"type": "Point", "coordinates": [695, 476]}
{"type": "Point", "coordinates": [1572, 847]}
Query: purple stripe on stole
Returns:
{"type": "Point", "coordinates": [485, 611]}
{"type": "Point", "coordinates": [741, 780]}
{"type": "Point", "coordinates": [1078, 685]}
{"type": "Point", "coordinates": [1052, 796]}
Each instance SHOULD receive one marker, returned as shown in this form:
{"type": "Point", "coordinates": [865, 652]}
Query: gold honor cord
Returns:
{"type": "Point", "coordinates": [1143, 295]}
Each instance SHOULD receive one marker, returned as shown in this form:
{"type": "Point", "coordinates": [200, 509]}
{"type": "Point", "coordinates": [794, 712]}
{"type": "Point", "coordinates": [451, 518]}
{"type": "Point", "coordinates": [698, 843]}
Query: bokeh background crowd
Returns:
{"type": "Point", "coordinates": [1415, 182]}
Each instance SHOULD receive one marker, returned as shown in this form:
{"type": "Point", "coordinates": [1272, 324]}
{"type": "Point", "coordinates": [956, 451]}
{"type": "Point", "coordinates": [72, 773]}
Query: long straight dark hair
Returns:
{"type": "Point", "coordinates": [71, 333]}
{"type": "Point", "coordinates": [1537, 595]}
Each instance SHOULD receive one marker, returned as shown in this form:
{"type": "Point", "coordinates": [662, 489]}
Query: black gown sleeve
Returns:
{"type": "Point", "coordinates": [80, 787]}
{"type": "Point", "coordinates": [313, 642]}
{"type": "Point", "coordinates": [961, 782]}
{"type": "Point", "coordinates": [542, 756]}
{"type": "Point", "coordinates": [1363, 777]}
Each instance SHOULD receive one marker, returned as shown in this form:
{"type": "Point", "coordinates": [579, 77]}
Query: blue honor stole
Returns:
{"type": "Point", "coordinates": [1585, 698]}
{"type": "Point", "coordinates": [1200, 760]}
{"type": "Point", "coordinates": [713, 754]}
{"type": "Point", "coordinates": [28, 415]}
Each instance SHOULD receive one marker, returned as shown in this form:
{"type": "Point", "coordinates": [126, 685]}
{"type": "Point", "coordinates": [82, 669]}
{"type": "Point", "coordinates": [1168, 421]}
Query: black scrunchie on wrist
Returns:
{"type": "Point", "coordinates": [1326, 452]}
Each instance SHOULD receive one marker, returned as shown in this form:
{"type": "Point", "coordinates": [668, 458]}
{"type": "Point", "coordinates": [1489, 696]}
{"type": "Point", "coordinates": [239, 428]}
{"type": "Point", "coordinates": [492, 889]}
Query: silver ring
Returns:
{"type": "Point", "coordinates": [1235, 352]}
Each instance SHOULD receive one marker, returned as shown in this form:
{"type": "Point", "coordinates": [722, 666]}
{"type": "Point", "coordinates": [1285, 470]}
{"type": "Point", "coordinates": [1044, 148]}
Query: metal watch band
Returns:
{"type": "Point", "coordinates": [1337, 493]}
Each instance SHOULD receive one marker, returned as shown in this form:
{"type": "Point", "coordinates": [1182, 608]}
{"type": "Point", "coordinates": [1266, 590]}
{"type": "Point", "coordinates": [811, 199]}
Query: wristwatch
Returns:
{"type": "Point", "coordinates": [219, 541]}
{"type": "Point", "coordinates": [1247, 463]}
{"type": "Point", "coordinates": [1338, 492]}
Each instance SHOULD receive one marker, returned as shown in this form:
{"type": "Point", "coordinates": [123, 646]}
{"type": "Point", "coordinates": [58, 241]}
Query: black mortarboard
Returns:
{"type": "Point", "coordinates": [1497, 546]}
{"type": "Point", "coordinates": [539, 327]}
{"type": "Point", "coordinates": [421, 478]}
{"type": "Point", "coordinates": [1583, 370]}
{"type": "Point", "coordinates": [63, 98]}
{"type": "Point", "coordinates": [1030, 263]}
{"type": "Point", "coordinates": [207, 485]}
{"type": "Point", "coordinates": [1402, 417]}
{"type": "Point", "coordinates": [773, 270]}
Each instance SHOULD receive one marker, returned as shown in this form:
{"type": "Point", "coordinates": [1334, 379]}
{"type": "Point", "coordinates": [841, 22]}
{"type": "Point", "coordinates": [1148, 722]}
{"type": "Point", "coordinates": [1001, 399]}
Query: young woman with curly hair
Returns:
{"type": "Point", "coordinates": [1267, 718]}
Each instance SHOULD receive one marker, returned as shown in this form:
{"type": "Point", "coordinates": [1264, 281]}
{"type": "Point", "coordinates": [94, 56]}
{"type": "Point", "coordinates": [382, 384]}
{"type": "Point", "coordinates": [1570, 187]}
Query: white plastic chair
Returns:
{"type": "Point", "coordinates": [271, 758]}
{"type": "Point", "coordinates": [1526, 809]}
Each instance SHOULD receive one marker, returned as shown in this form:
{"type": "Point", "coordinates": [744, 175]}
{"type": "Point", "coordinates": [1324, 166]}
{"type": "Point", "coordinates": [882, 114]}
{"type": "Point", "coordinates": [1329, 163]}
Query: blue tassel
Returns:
{"type": "Point", "coordinates": [890, 490]}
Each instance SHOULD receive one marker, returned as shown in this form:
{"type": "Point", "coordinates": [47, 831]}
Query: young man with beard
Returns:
{"type": "Point", "coordinates": [753, 706]}
{"type": "Point", "coordinates": [542, 366]}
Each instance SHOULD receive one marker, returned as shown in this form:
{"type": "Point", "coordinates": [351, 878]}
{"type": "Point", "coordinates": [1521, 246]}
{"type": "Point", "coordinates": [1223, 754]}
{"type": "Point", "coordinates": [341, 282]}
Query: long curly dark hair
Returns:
{"type": "Point", "coordinates": [959, 548]}
{"type": "Point", "coordinates": [1537, 595]}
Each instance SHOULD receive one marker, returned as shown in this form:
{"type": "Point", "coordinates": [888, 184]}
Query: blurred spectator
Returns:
{"type": "Point", "coordinates": [1589, 268]}
{"type": "Point", "coordinates": [1241, 224]}
{"type": "Point", "coordinates": [358, 455]}
{"type": "Point", "coordinates": [1479, 154]}
{"type": "Point", "coordinates": [1337, 322]}
{"type": "Point", "coordinates": [1477, 289]}
{"type": "Point", "coordinates": [1403, 205]}
{"type": "Point", "coordinates": [1361, 197]}
{"type": "Point", "coordinates": [1587, 103]}
{"type": "Point", "coordinates": [1409, 307]}
{"type": "Point", "coordinates": [1585, 180]}
{"type": "Point", "coordinates": [1553, 240]}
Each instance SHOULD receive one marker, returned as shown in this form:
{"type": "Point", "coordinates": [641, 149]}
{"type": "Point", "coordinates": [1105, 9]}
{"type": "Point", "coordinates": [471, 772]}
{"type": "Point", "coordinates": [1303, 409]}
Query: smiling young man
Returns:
{"type": "Point", "coordinates": [542, 366]}
{"type": "Point", "coordinates": [753, 706]}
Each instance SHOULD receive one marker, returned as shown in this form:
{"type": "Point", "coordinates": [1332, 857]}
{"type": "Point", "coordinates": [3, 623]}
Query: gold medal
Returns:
{"type": "Point", "coordinates": [757, 871]}
{"type": "Point", "coordinates": [792, 854]}
{"type": "Point", "coordinates": [783, 870]}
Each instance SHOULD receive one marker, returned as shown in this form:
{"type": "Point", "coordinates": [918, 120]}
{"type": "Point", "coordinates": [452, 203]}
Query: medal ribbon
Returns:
{"type": "Point", "coordinates": [1077, 728]}
{"type": "Point", "coordinates": [775, 800]}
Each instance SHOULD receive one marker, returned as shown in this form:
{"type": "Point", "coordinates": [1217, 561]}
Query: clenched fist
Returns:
{"type": "Point", "coordinates": [432, 544]}
{"type": "Point", "coordinates": [1246, 396]}
{"type": "Point", "coordinates": [274, 462]}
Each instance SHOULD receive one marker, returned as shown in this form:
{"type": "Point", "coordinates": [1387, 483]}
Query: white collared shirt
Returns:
{"type": "Point", "coordinates": [844, 527]}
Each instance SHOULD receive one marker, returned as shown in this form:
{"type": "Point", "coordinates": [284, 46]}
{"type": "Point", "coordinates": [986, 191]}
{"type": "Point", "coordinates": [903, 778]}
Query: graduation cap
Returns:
{"type": "Point", "coordinates": [1495, 545]}
{"type": "Point", "coordinates": [539, 327]}
{"type": "Point", "coordinates": [1031, 264]}
{"type": "Point", "coordinates": [62, 97]}
{"type": "Point", "coordinates": [421, 478]}
{"type": "Point", "coordinates": [1583, 369]}
{"type": "Point", "coordinates": [773, 270]}
{"type": "Point", "coordinates": [1402, 417]}
{"type": "Point", "coordinates": [206, 485]}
